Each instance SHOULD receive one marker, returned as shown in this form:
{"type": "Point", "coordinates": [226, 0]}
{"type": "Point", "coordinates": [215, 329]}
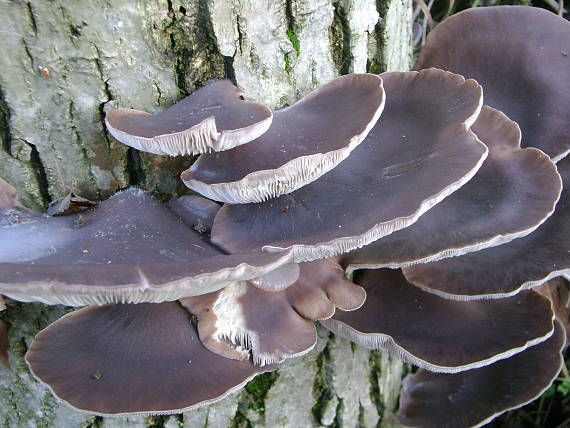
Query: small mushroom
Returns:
{"type": "Point", "coordinates": [214, 117]}
{"type": "Point", "coordinates": [129, 249]}
{"type": "Point", "coordinates": [520, 55]}
{"type": "Point", "coordinates": [475, 397]}
{"type": "Point", "coordinates": [510, 196]}
{"type": "Point", "coordinates": [8, 196]}
{"type": "Point", "coordinates": [11, 210]}
{"type": "Point", "coordinates": [438, 334]}
{"type": "Point", "coordinates": [416, 155]}
{"type": "Point", "coordinates": [128, 359]}
{"type": "Point", "coordinates": [509, 268]}
{"type": "Point", "coordinates": [272, 326]}
{"type": "Point", "coordinates": [304, 142]}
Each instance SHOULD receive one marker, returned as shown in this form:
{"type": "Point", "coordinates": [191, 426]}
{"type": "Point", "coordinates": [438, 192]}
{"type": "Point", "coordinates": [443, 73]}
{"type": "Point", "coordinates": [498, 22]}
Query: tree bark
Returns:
{"type": "Point", "coordinates": [65, 63]}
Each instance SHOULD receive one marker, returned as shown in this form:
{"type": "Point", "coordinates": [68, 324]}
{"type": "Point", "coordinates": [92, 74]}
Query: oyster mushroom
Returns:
{"type": "Point", "coordinates": [272, 326]}
{"type": "Point", "coordinates": [475, 397]}
{"type": "Point", "coordinates": [129, 249]}
{"type": "Point", "coordinates": [304, 142]}
{"type": "Point", "coordinates": [509, 268]}
{"type": "Point", "coordinates": [125, 359]}
{"type": "Point", "coordinates": [214, 117]}
{"type": "Point", "coordinates": [512, 194]}
{"type": "Point", "coordinates": [438, 334]}
{"type": "Point", "coordinates": [520, 55]}
{"type": "Point", "coordinates": [415, 156]}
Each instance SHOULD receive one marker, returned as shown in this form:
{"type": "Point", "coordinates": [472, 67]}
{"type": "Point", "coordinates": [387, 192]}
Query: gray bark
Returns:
{"type": "Point", "coordinates": [66, 62]}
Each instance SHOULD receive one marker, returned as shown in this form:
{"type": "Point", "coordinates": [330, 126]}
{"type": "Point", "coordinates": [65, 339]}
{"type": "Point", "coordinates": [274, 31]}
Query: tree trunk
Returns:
{"type": "Point", "coordinates": [66, 62]}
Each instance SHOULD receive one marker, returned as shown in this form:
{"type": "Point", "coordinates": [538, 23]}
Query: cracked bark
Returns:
{"type": "Point", "coordinates": [66, 64]}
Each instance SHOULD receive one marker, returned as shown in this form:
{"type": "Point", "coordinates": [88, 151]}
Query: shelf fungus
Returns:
{"type": "Point", "coordinates": [271, 326]}
{"type": "Point", "coordinates": [198, 298]}
{"type": "Point", "coordinates": [125, 359]}
{"type": "Point", "coordinates": [304, 142]}
{"type": "Point", "coordinates": [419, 152]}
{"type": "Point", "coordinates": [507, 269]}
{"type": "Point", "coordinates": [129, 249]}
{"type": "Point", "coordinates": [521, 56]}
{"type": "Point", "coordinates": [475, 397]}
{"type": "Point", "coordinates": [446, 335]}
{"type": "Point", "coordinates": [512, 194]}
{"type": "Point", "coordinates": [214, 118]}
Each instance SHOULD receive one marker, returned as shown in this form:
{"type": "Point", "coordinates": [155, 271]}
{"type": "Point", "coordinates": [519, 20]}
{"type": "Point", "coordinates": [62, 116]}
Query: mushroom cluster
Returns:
{"type": "Point", "coordinates": [406, 211]}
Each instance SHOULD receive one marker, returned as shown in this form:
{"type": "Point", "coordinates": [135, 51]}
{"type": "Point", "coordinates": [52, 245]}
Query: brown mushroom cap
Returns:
{"type": "Point", "coordinates": [197, 212]}
{"type": "Point", "coordinates": [505, 270]}
{"type": "Point", "coordinates": [521, 56]}
{"type": "Point", "coordinates": [8, 196]}
{"type": "Point", "coordinates": [557, 290]}
{"type": "Point", "coordinates": [416, 155]}
{"type": "Point", "coordinates": [475, 397]}
{"type": "Point", "coordinates": [214, 117]}
{"type": "Point", "coordinates": [510, 196]}
{"type": "Point", "coordinates": [304, 142]}
{"type": "Point", "coordinates": [125, 359]}
{"type": "Point", "coordinates": [273, 326]}
{"type": "Point", "coordinates": [438, 334]}
{"type": "Point", "coordinates": [130, 249]}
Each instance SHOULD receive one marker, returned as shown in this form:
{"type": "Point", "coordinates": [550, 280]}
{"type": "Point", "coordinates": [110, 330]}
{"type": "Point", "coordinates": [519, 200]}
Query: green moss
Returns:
{"type": "Point", "coordinates": [258, 388]}
{"type": "Point", "coordinates": [287, 61]}
{"type": "Point", "coordinates": [373, 68]}
{"type": "Point", "coordinates": [294, 41]}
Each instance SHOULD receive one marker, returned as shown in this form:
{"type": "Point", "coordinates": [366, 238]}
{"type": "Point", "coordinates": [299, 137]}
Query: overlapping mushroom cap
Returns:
{"type": "Point", "coordinates": [124, 359]}
{"type": "Point", "coordinates": [510, 196]}
{"type": "Point", "coordinates": [507, 269]}
{"type": "Point", "coordinates": [273, 326]}
{"type": "Point", "coordinates": [304, 142]}
{"type": "Point", "coordinates": [213, 118]}
{"type": "Point", "coordinates": [419, 152]}
{"type": "Point", "coordinates": [438, 334]}
{"type": "Point", "coordinates": [475, 397]}
{"type": "Point", "coordinates": [130, 249]}
{"type": "Point", "coordinates": [521, 56]}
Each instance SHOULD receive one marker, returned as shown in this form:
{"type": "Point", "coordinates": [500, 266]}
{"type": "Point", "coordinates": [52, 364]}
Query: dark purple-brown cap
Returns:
{"type": "Point", "coordinates": [419, 152]}
{"type": "Point", "coordinates": [125, 359]}
{"type": "Point", "coordinates": [215, 117]}
{"type": "Point", "coordinates": [197, 212]}
{"type": "Point", "coordinates": [304, 142]}
{"type": "Point", "coordinates": [510, 196]}
{"type": "Point", "coordinates": [475, 397]}
{"type": "Point", "coordinates": [272, 326]}
{"type": "Point", "coordinates": [509, 268]}
{"type": "Point", "coordinates": [557, 290]}
{"type": "Point", "coordinates": [521, 56]}
{"type": "Point", "coordinates": [438, 334]}
{"type": "Point", "coordinates": [129, 249]}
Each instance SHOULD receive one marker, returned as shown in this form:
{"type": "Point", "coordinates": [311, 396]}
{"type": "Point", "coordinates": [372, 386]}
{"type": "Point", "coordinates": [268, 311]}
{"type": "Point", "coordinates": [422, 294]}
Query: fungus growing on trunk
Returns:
{"type": "Point", "coordinates": [124, 359]}
{"type": "Point", "coordinates": [304, 142]}
{"type": "Point", "coordinates": [445, 335]}
{"type": "Point", "coordinates": [507, 269]}
{"type": "Point", "coordinates": [129, 249]}
{"type": "Point", "coordinates": [417, 141]}
{"type": "Point", "coordinates": [521, 56]}
{"type": "Point", "coordinates": [510, 196]}
{"type": "Point", "coordinates": [214, 117]}
{"type": "Point", "coordinates": [475, 397]}
{"type": "Point", "coordinates": [273, 326]}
